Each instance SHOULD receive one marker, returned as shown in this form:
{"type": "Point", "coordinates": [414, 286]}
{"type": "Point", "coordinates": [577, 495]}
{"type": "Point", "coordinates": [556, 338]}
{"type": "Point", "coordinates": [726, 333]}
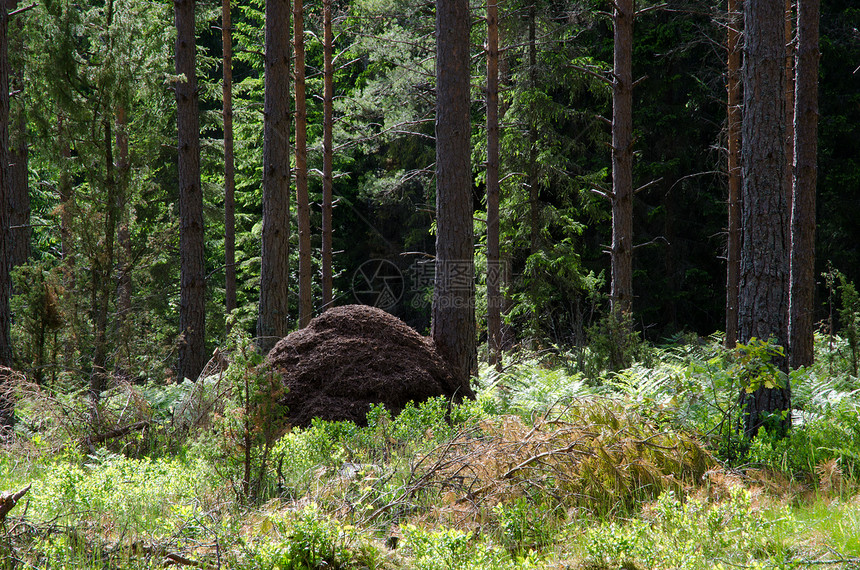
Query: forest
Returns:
{"type": "Point", "coordinates": [625, 227]}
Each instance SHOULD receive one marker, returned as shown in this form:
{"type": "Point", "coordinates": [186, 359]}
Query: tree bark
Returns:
{"type": "Point", "coordinates": [19, 197]}
{"type": "Point", "coordinates": [123, 170]}
{"type": "Point", "coordinates": [328, 156]}
{"type": "Point", "coordinates": [302, 202]}
{"type": "Point", "coordinates": [764, 279]}
{"type": "Point", "coordinates": [192, 304]}
{"type": "Point", "coordinates": [789, 99]}
{"type": "Point", "coordinates": [453, 319]}
{"type": "Point", "coordinates": [534, 183]}
{"type": "Point", "coordinates": [733, 248]}
{"type": "Point", "coordinates": [273, 315]}
{"type": "Point", "coordinates": [5, 183]}
{"type": "Point", "coordinates": [103, 283]}
{"type": "Point", "coordinates": [801, 326]}
{"type": "Point", "coordinates": [622, 159]}
{"type": "Point", "coordinates": [494, 274]}
{"type": "Point", "coordinates": [66, 192]}
{"type": "Point", "coordinates": [229, 162]}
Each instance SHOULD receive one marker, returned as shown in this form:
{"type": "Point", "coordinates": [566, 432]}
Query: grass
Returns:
{"type": "Point", "coordinates": [547, 469]}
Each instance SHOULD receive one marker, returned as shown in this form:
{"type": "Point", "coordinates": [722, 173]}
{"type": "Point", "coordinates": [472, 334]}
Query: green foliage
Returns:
{"type": "Point", "coordinates": [531, 382]}
{"type": "Point", "coordinates": [143, 495]}
{"type": "Point", "coordinates": [452, 549]}
{"type": "Point", "coordinates": [250, 421]}
{"type": "Point", "coordinates": [849, 316]}
{"type": "Point", "coordinates": [615, 343]}
{"type": "Point", "coordinates": [525, 527]}
{"type": "Point", "coordinates": [40, 312]}
{"type": "Point", "coordinates": [308, 540]}
{"type": "Point", "coordinates": [830, 439]}
{"type": "Point", "coordinates": [753, 364]}
{"type": "Point", "coordinates": [687, 535]}
{"type": "Point", "coordinates": [374, 463]}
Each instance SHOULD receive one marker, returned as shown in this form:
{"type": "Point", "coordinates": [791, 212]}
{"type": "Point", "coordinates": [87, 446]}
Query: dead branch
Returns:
{"type": "Point", "coordinates": [117, 432]}
{"type": "Point", "coordinates": [9, 499]}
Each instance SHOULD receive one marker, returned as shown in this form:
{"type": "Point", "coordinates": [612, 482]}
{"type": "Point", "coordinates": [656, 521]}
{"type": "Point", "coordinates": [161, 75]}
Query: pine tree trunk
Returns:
{"type": "Point", "coordinates": [801, 324]}
{"type": "Point", "coordinates": [789, 99]}
{"type": "Point", "coordinates": [19, 198]}
{"type": "Point", "coordinates": [7, 405]}
{"type": "Point", "coordinates": [66, 195]}
{"type": "Point", "coordinates": [273, 316]}
{"type": "Point", "coordinates": [229, 162]}
{"type": "Point", "coordinates": [124, 315]}
{"type": "Point", "coordinates": [328, 155]}
{"type": "Point", "coordinates": [66, 192]}
{"type": "Point", "coordinates": [103, 284]}
{"type": "Point", "coordinates": [5, 189]}
{"type": "Point", "coordinates": [302, 201]}
{"type": "Point", "coordinates": [733, 248]}
{"type": "Point", "coordinates": [534, 183]}
{"type": "Point", "coordinates": [192, 304]}
{"type": "Point", "coordinates": [622, 159]}
{"type": "Point", "coordinates": [453, 322]}
{"type": "Point", "coordinates": [764, 279]}
{"type": "Point", "coordinates": [494, 273]}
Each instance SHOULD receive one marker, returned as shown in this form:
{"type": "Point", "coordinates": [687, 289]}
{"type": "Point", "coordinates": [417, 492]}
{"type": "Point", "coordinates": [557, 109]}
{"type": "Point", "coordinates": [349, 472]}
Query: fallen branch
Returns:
{"type": "Point", "coordinates": [513, 471]}
{"type": "Point", "coordinates": [177, 560]}
{"type": "Point", "coordinates": [118, 432]}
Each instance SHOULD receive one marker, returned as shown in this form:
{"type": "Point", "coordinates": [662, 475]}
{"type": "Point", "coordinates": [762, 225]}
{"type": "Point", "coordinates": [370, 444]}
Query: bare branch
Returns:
{"type": "Point", "coordinates": [592, 73]}
{"type": "Point", "coordinates": [650, 9]}
{"type": "Point", "coordinates": [8, 500]}
{"type": "Point", "coordinates": [21, 10]}
{"type": "Point", "coordinates": [647, 185]}
{"type": "Point", "coordinates": [652, 242]}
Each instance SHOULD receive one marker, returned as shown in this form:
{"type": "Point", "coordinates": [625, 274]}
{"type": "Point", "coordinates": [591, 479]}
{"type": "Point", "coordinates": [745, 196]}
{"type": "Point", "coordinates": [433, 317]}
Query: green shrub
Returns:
{"type": "Point", "coordinates": [614, 342]}
{"type": "Point", "coordinates": [687, 535]}
{"type": "Point", "coordinates": [451, 549]}
{"type": "Point", "coordinates": [309, 540]}
{"type": "Point", "coordinates": [527, 527]}
{"type": "Point", "coordinates": [834, 437]}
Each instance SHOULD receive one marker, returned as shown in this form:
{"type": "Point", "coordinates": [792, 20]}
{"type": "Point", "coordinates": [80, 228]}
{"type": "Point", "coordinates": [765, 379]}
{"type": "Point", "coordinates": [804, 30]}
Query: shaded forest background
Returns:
{"type": "Point", "coordinates": [93, 111]}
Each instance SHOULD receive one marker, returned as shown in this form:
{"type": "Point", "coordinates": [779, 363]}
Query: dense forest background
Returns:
{"type": "Point", "coordinates": [93, 118]}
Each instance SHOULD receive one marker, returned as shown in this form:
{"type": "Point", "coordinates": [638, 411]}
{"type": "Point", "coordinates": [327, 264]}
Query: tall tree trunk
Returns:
{"type": "Point", "coordinates": [5, 190]}
{"type": "Point", "coordinates": [123, 171]}
{"type": "Point", "coordinates": [805, 178]}
{"type": "Point", "coordinates": [494, 273]}
{"type": "Point", "coordinates": [733, 248]}
{"type": "Point", "coordinates": [7, 405]}
{"type": "Point", "coordinates": [273, 315]}
{"type": "Point", "coordinates": [103, 284]}
{"type": "Point", "coordinates": [453, 321]}
{"type": "Point", "coordinates": [622, 159]}
{"type": "Point", "coordinates": [328, 156]}
{"type": "Point", "coordinates": [192, 304]}
{"type": "Point", "coordinates": [229, 162]}
{"type": "Point", "coordinates": [19, 197]}
{"type": "Point", "coordinates": [764, 279]}
{"type": "Point", "coordinates": [534, 183]}
{"type": "Point", "coordinates": [302, 202]}
{"type": "Point", "coordinates": [66, 192]}
{"type": "Point", "coordinates": [789, 99]}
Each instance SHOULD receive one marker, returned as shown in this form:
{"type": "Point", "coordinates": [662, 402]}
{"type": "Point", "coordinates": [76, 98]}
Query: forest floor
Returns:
{"type": "Point", "coordinates": [549, 467]}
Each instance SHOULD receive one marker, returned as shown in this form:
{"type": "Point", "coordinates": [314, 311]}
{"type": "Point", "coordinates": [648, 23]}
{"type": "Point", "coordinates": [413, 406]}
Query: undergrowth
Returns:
{"type": "Point", "coordinates": [548, 468]}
